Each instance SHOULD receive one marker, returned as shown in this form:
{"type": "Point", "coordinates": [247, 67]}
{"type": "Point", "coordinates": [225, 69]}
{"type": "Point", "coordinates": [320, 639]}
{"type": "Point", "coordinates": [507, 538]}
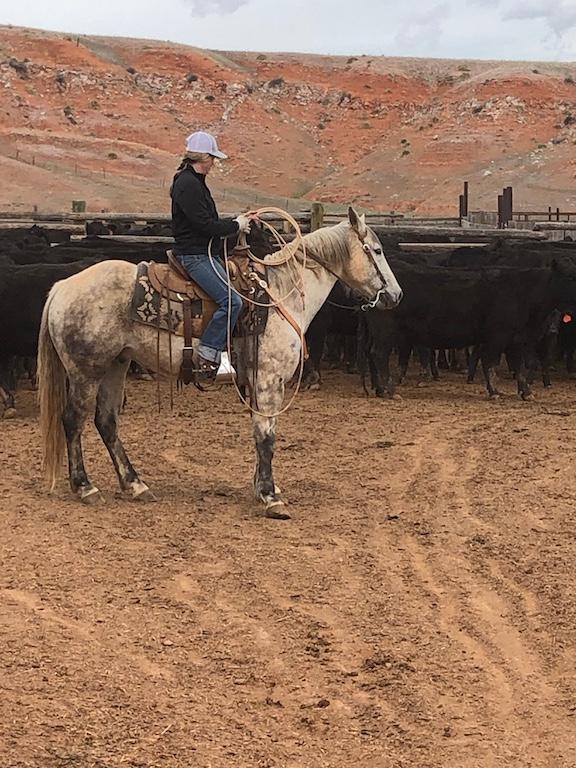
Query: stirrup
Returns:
{"type": "Point", "coordinates": [205, 371]}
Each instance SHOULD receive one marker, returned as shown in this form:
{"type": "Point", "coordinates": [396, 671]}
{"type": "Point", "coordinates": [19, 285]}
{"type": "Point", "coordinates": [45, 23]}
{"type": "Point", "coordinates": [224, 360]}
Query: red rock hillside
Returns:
{"type": "Point", "coordinates": [104, 120]}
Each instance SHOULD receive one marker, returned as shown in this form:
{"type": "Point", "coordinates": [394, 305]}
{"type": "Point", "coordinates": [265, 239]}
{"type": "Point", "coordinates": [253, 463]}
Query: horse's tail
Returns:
{"type": "Point", "coordinates": [52, 399]}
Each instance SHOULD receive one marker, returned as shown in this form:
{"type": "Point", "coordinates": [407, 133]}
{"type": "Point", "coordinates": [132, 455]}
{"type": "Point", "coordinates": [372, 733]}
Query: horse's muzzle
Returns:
{"type": "Point", "coordinates": [384, 299]}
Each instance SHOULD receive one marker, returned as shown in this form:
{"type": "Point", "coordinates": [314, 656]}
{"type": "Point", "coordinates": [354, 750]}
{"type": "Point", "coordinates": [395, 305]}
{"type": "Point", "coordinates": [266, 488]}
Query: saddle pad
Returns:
{"type": "Point", "coordinates": [149, 307]}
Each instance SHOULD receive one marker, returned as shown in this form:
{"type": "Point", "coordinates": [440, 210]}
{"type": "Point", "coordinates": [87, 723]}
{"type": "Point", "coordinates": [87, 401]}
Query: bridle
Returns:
{"type": "Point", "coordinates": [368, 251]}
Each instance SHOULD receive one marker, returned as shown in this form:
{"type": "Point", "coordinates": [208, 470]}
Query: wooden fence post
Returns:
{"type": "Point", "coordinates": [463, 203]}
{"type": "Point", "coordinates": [316, 216]}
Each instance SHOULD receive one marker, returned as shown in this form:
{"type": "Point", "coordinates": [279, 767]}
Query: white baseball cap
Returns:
{"type": "Point", "coordinates": [204, 142]}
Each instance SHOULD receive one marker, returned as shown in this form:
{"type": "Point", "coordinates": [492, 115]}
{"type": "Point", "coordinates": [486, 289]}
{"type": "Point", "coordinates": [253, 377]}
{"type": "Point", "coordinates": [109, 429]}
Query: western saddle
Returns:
{"type": "Point", "coordinates": [174, 285]}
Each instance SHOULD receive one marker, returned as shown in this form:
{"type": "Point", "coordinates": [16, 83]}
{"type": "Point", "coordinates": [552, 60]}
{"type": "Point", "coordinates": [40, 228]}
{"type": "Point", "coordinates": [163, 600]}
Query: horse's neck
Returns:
{"type": "Point", "coordinates": [317, 286]}
{"type": "Point", "coordinates": [317, 282]}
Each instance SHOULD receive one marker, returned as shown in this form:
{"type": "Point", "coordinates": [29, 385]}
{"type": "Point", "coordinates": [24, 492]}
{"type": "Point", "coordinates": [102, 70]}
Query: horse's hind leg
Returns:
{"type": "Point", "coordinates": [80, 404]}
{"type": "Point", "coordinates": [108, 405]}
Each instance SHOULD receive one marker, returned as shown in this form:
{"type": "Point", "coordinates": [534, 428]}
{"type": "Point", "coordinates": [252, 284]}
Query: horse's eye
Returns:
{"type": "Point", "coordinates": [378, 251]}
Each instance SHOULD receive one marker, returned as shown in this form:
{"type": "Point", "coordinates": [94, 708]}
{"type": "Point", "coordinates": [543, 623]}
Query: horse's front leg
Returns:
{"type": "Point", "coordinates": [267, 401]}
{"type": "Point", "coordinates": [265, 489]}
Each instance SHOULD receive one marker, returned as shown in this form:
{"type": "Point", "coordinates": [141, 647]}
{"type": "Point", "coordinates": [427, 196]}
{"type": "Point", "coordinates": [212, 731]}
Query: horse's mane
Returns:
{"type": "Point", "coordinates": [328, 245]}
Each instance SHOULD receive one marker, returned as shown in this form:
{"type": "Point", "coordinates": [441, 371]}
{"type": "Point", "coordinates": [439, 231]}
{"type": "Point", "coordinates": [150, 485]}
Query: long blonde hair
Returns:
{"type": "Point", "coordinates": [197, 157]}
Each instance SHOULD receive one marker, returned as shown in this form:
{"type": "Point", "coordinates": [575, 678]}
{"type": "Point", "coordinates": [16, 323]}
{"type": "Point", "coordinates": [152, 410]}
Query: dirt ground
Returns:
{"type": "Point", "coordinates": [417, 611]}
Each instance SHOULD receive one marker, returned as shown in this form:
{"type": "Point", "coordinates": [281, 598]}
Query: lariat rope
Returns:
{"type": "Point", "coordinates": [292, 248]}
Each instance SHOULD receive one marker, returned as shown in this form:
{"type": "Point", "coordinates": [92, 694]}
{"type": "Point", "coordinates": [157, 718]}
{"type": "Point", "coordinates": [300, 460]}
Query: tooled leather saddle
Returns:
{"type": "Point", "coordinates": [168, 299]}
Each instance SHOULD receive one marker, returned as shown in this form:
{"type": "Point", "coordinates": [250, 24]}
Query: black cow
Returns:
{"type": "Point", "coordinates": [497, 309]}
{"type": "Point", "coordinates": [23, 292]}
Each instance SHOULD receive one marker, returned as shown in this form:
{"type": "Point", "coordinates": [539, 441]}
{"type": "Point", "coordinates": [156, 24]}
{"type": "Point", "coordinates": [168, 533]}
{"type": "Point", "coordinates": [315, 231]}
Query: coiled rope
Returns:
{"type": "Point", "coordinates": [292, 248]}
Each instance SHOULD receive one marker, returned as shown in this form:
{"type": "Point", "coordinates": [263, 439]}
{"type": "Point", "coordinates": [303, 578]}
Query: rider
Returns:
{"type": "Point", "coordinates": [195, 222]}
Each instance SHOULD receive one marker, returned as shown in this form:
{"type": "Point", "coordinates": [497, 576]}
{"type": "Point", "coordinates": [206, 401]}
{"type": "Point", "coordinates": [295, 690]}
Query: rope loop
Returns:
{"type": "Point", "coordinates": [292, 248]}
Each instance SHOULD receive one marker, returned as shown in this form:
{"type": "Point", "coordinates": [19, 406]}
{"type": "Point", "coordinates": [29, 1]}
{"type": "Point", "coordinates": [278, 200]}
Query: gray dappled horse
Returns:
{"type": "Point", "coordinates": [87, 339]}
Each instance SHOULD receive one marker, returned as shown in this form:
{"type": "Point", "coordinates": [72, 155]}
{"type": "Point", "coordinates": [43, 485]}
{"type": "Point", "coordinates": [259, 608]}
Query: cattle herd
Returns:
{"type": "Point", "coordinates": [512, 298]}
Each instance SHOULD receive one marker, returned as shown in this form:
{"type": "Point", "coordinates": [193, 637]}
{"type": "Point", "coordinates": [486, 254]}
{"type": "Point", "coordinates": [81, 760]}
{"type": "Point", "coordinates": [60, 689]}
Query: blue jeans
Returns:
{"type": "Point", "coordinates": [200, 269]}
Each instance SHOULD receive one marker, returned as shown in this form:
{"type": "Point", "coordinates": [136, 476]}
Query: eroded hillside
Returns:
{"type": "Point", "coordinates": [103, 119]}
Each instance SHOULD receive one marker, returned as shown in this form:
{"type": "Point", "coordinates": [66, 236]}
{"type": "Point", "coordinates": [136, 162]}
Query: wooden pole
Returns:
{"type": "Point", "coordinates": [316, 216]}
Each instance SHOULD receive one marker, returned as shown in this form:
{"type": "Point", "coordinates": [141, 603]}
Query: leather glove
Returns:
{"type": "Point", "coordinates": [243, 223]}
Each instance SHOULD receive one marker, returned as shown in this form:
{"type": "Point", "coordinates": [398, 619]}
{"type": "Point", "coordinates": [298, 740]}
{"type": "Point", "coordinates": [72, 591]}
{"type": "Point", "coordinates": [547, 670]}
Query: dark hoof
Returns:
{"type": "Point", "coordinates": [275, 513]}
{"type": "Point", "coordinates": [10, 413]}
{"type": "Point", "coordinates": [276, 510]}
{"type": "Point", "coordinates": [92, 497]}
{"type": "Point", "coordinates": [144, 497]}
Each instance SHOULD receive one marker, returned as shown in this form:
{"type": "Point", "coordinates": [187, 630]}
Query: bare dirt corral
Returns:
{"type": "Point", "coordinates": [417, 611]}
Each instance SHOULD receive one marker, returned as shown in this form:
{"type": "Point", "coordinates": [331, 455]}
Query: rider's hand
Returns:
{"type": "Point", "coordinates": [243, 223]}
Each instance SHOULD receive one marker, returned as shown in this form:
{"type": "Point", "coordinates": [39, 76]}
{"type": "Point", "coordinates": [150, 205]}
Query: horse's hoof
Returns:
{"type": "Point", "coordinates": [275, 510]}
{"type": "Point", "coordinates": [10, 413]}
{"type": "Point", "coordinates": [528, 398]}
{"type": "Point", "coordinates": [314, 387]}
{"type": "Point", "coordinates": [144, 496]}
{"type": "Point", "coordinates": [91, 497]}
{"type": "Point", "coordinates": [396, 396]}
{"type": "Point", "coordinates": [494, 396]}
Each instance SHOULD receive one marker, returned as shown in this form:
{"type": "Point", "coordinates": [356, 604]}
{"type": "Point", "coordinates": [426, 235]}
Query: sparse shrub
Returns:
{"type": "Point", "coordinates": [261, 57]}
{"type": "Point", "coordinates": [68, 111]}
{"type": "Point", "coordinates": [209, 97]}
{"type": "Point", "coordinates": [112, 156]}
{"type": "Point", "coordinates": [569, 80]}
{"type": "Point", "coordinates": [277, 82]}
{"type": "Point", "coordinates": [191, 77]}
{"type": "Point", "coordinates": [536, 71]}
{"type": "Point", "coordinates": [405, 152]}
{"type": "Point", "coordinates": [131, 70]}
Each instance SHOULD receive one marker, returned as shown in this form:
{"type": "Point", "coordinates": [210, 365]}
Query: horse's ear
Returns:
{"type": "Point", "coordinates": [358, 223]}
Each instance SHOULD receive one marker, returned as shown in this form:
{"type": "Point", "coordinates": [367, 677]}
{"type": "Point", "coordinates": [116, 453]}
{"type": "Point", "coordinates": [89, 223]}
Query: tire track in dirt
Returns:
{"type": "Point", "coordinates": [82, 632]}
{"type": "Point", "coordinates": [472, 610]}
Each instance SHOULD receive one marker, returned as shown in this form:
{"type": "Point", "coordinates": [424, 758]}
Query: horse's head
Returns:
{"type": "Point", "coordinates": [367, 272]}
